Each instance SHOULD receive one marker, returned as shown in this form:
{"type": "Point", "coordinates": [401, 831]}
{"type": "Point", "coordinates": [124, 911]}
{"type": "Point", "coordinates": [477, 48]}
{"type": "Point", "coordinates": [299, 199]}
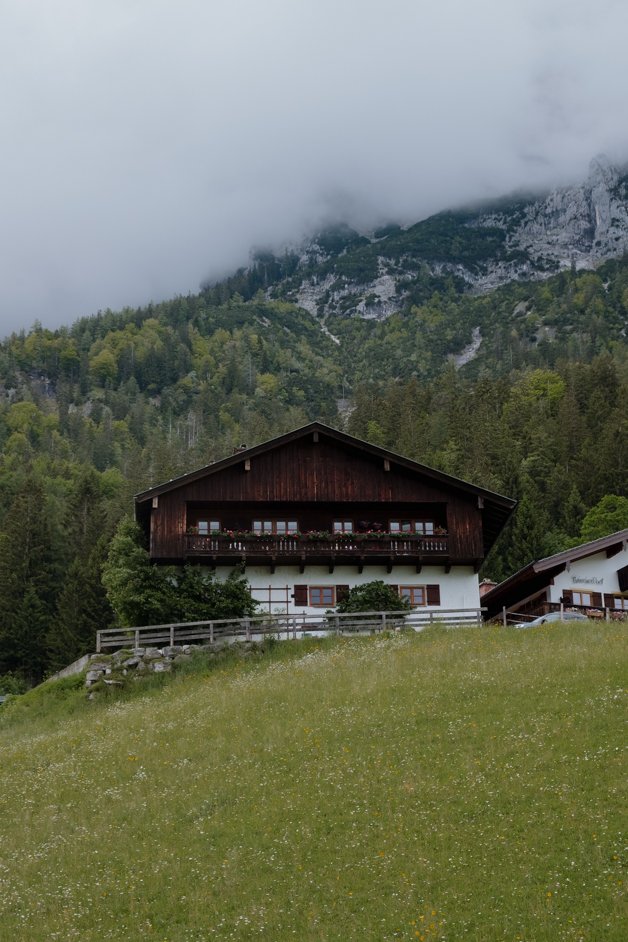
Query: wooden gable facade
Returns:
{"type": "Point", "coordinates": [317, 496]}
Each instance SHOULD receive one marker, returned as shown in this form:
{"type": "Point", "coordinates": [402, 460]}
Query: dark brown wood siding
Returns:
{"type": "Point", "coordinates": [323, 477]}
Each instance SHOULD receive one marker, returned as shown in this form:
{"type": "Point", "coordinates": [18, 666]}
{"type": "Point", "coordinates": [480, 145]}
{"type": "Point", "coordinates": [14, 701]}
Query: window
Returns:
{"type": "Point", "coordinates": [620, 603]}
{"type": "Point", "coordinates": [420, 594]}
{"type": "Point", "coordinates": [423, 527]}
{"type": "Point", "coordinates": [207, 526]}
{"type": "Point", "coordinates": [280, 527]}
{"type": "Point", "coordinates": [322, 595]}
{"type": "Point", "coordinates": [580, 598]}
{"type": "Point", "coordinates": [343, 526]}
{"type": "Point", "coordinates": [414, 593]}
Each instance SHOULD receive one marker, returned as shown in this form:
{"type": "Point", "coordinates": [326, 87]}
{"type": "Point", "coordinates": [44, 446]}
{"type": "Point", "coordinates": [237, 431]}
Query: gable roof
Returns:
{"type": "Point", "coordinates": [497, 508]}
{"type": "Point", "coordinates": [538, 574]}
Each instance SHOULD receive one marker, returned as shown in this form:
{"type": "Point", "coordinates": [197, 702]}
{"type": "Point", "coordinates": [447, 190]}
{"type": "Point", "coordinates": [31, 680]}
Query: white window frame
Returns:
{"type": "Point", "coordinates": [276, 527]}
{"type": "Point", "coordinates": [581, 598]}
{"type": "Point", "coordinates": [205, 527]}
{"type": "Point", "coordinates": [343, 526]}
{"type": "Point", "coordinates": [420, 527]}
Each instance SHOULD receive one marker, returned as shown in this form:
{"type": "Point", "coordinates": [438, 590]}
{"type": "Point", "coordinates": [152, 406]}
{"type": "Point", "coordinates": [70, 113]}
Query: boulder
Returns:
{"type": "Point", "coordinates": [131, 661]}
{"type": "Point", "coordinates": [160, 667]}
{"type": "Point", "coordinates": [99, 666]}
{"type": "Point", "coordinates": [151, 653]}
{"type": "Point", "coordinates": [172, 650]}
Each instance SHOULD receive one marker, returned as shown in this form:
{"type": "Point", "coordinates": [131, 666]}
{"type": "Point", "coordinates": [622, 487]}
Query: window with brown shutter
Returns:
{"type": "Point", "coordinates": [342, 591]}
{"type": "Point", "coordinates": [433, 594]}
{"type": "Point", "coordinates": [322, 595]}
{"type": "Point", "coordinates": [300, 595]}
{"type": "Point", "coordinates": [567, 597]}
{"type": "Point", "coordinates": [414, 594]}
{"type": "Point", "coordinates": [619, 603]}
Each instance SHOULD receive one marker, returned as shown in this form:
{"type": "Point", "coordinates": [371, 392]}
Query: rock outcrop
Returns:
{"type": "Point", "coordinates": [133, 664]}
{"type": "Point", "coordinates": [519, 238]}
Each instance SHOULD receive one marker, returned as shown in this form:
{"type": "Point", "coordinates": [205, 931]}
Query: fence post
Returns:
{"type": "Point", "coordinates": [383, 621]}
{"type": "Point", "coordinates": [607, 614]}
{"type": "Point", "coordinates": [137, 638]}
{"type": "Point", "coordinates": [171, 636]}
{"type": "Point", "coordinates": [562, 611]}
{"type": "Point", "coordinates": [211, 632]}
{"type": "Point", "coordinates": [247, 625]}
{"type": "Point", "coordinates": [97, 642]}
{"type": "Point", "coordinates": [504, 618]}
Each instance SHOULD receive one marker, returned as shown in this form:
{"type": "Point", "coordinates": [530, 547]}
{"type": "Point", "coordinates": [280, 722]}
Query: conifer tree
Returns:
{"type": "Point", "coordinates": [29, 575]}
{"type": "Point", "coordinates": [139, 593]}
{"type": "Point", "coordinates": [82, 609]}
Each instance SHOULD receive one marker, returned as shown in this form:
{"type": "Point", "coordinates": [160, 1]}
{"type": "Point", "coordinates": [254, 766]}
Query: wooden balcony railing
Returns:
{"type": "Point", "coordinates": [309, 546]}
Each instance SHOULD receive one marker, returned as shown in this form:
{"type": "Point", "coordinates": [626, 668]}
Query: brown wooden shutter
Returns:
{"type": "Point", "coordinates": [596, 599]}
{"type": "Point", "coordinates": [609, 601]}
{"type": "Point", "coordinates": [342, 591]}
{"type": "Point", "coordinates": [622, 578]}
{"type": "Point", "coordinates": [433, 594]}
{"type": "Point", "coordinates": [567, 596]}
{"type": "Point", "coordinates": [300, 595]}
{"type": "Point", "coordinates": [395, 588]}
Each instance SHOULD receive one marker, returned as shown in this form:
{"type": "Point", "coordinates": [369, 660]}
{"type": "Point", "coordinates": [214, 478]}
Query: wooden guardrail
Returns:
{"type": "Point", "coordinates": [258, 627]}
{"type": "Point", "coordinates": [601, 613]}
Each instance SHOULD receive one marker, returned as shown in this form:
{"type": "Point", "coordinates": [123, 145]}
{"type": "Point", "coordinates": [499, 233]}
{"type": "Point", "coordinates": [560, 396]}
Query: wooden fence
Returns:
{"type": "Point", "coordinates": [258, 627]}
{"type": "Point", "coordinates": [594, 614]}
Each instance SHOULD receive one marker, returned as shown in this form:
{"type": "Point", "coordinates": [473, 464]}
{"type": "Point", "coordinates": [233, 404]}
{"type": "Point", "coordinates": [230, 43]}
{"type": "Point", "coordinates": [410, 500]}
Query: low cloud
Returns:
{"type": "Point", "coordinates": [148, 146]}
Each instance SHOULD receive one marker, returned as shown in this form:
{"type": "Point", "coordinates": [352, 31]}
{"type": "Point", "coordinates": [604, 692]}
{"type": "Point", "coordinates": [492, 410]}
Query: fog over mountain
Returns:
{"type": "Point", "coordinates": [148, 145]}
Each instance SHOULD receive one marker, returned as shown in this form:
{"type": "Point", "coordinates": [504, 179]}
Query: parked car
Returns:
{"type": "Point", "coordinates": [552, 616]}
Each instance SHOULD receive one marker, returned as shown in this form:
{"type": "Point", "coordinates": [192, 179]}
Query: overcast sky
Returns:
{"type": "Point", "coordinates": [148, 144]}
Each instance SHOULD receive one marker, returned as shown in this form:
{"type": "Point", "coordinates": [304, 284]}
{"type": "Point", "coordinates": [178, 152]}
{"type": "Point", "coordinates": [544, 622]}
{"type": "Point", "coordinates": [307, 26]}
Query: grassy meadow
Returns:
{"type": "Point", "coordinates": [450, 785]}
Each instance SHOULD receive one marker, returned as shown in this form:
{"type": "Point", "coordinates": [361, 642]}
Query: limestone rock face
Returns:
{"type": "Point", "coordinates": [578, 226]}
{"type": "Point", "coordinates": [584, 224]}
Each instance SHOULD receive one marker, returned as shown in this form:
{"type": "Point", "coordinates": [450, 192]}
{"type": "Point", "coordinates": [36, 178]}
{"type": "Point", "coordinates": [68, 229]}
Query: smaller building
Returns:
{"type": "Point", "coordinates": [591, 577]}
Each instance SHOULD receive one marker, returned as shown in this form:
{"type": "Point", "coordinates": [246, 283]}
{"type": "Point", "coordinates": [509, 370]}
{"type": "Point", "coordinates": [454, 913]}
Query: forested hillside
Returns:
{"type": "Point", "coordinates": [91, 413]}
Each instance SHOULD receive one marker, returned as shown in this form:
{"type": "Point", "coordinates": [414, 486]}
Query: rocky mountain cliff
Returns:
{"type": "Point", "coordinates": [524, 237]}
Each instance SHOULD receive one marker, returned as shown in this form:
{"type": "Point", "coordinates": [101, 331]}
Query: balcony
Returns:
{"type": "Point", "coordinates": [311, 548]}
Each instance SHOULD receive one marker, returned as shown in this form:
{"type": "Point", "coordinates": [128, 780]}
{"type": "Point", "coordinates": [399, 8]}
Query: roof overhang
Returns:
{"type": "Point", "coordinates": [496, 509]}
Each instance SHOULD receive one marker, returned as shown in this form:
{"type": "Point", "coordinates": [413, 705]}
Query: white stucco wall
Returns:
{"type": "Point", "coordinates": [459, 588]}
{"type": "Point", "coordinates": [593, 574]}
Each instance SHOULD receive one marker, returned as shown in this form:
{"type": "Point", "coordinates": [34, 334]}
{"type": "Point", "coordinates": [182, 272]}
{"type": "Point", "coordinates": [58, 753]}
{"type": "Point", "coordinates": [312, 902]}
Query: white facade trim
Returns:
{"type": "Point", "coordinates": [459, 588]}
{"type": "Point", "coordinates": [596, 573]}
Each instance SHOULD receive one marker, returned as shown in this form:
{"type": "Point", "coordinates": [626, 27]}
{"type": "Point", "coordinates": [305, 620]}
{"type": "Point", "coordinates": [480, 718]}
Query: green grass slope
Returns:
{"type": "Point", "coordinates": [442, 786]}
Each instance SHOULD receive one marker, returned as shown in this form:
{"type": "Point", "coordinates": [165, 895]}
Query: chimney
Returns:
{"type": "Point", "coordinates": [485, 586]}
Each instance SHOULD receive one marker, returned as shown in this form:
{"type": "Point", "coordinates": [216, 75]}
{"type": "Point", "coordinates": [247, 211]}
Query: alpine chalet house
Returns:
{"type": "Point", "coordinates": [314, 512]}
{"type": "Point", "coordinates": [591, 578]}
